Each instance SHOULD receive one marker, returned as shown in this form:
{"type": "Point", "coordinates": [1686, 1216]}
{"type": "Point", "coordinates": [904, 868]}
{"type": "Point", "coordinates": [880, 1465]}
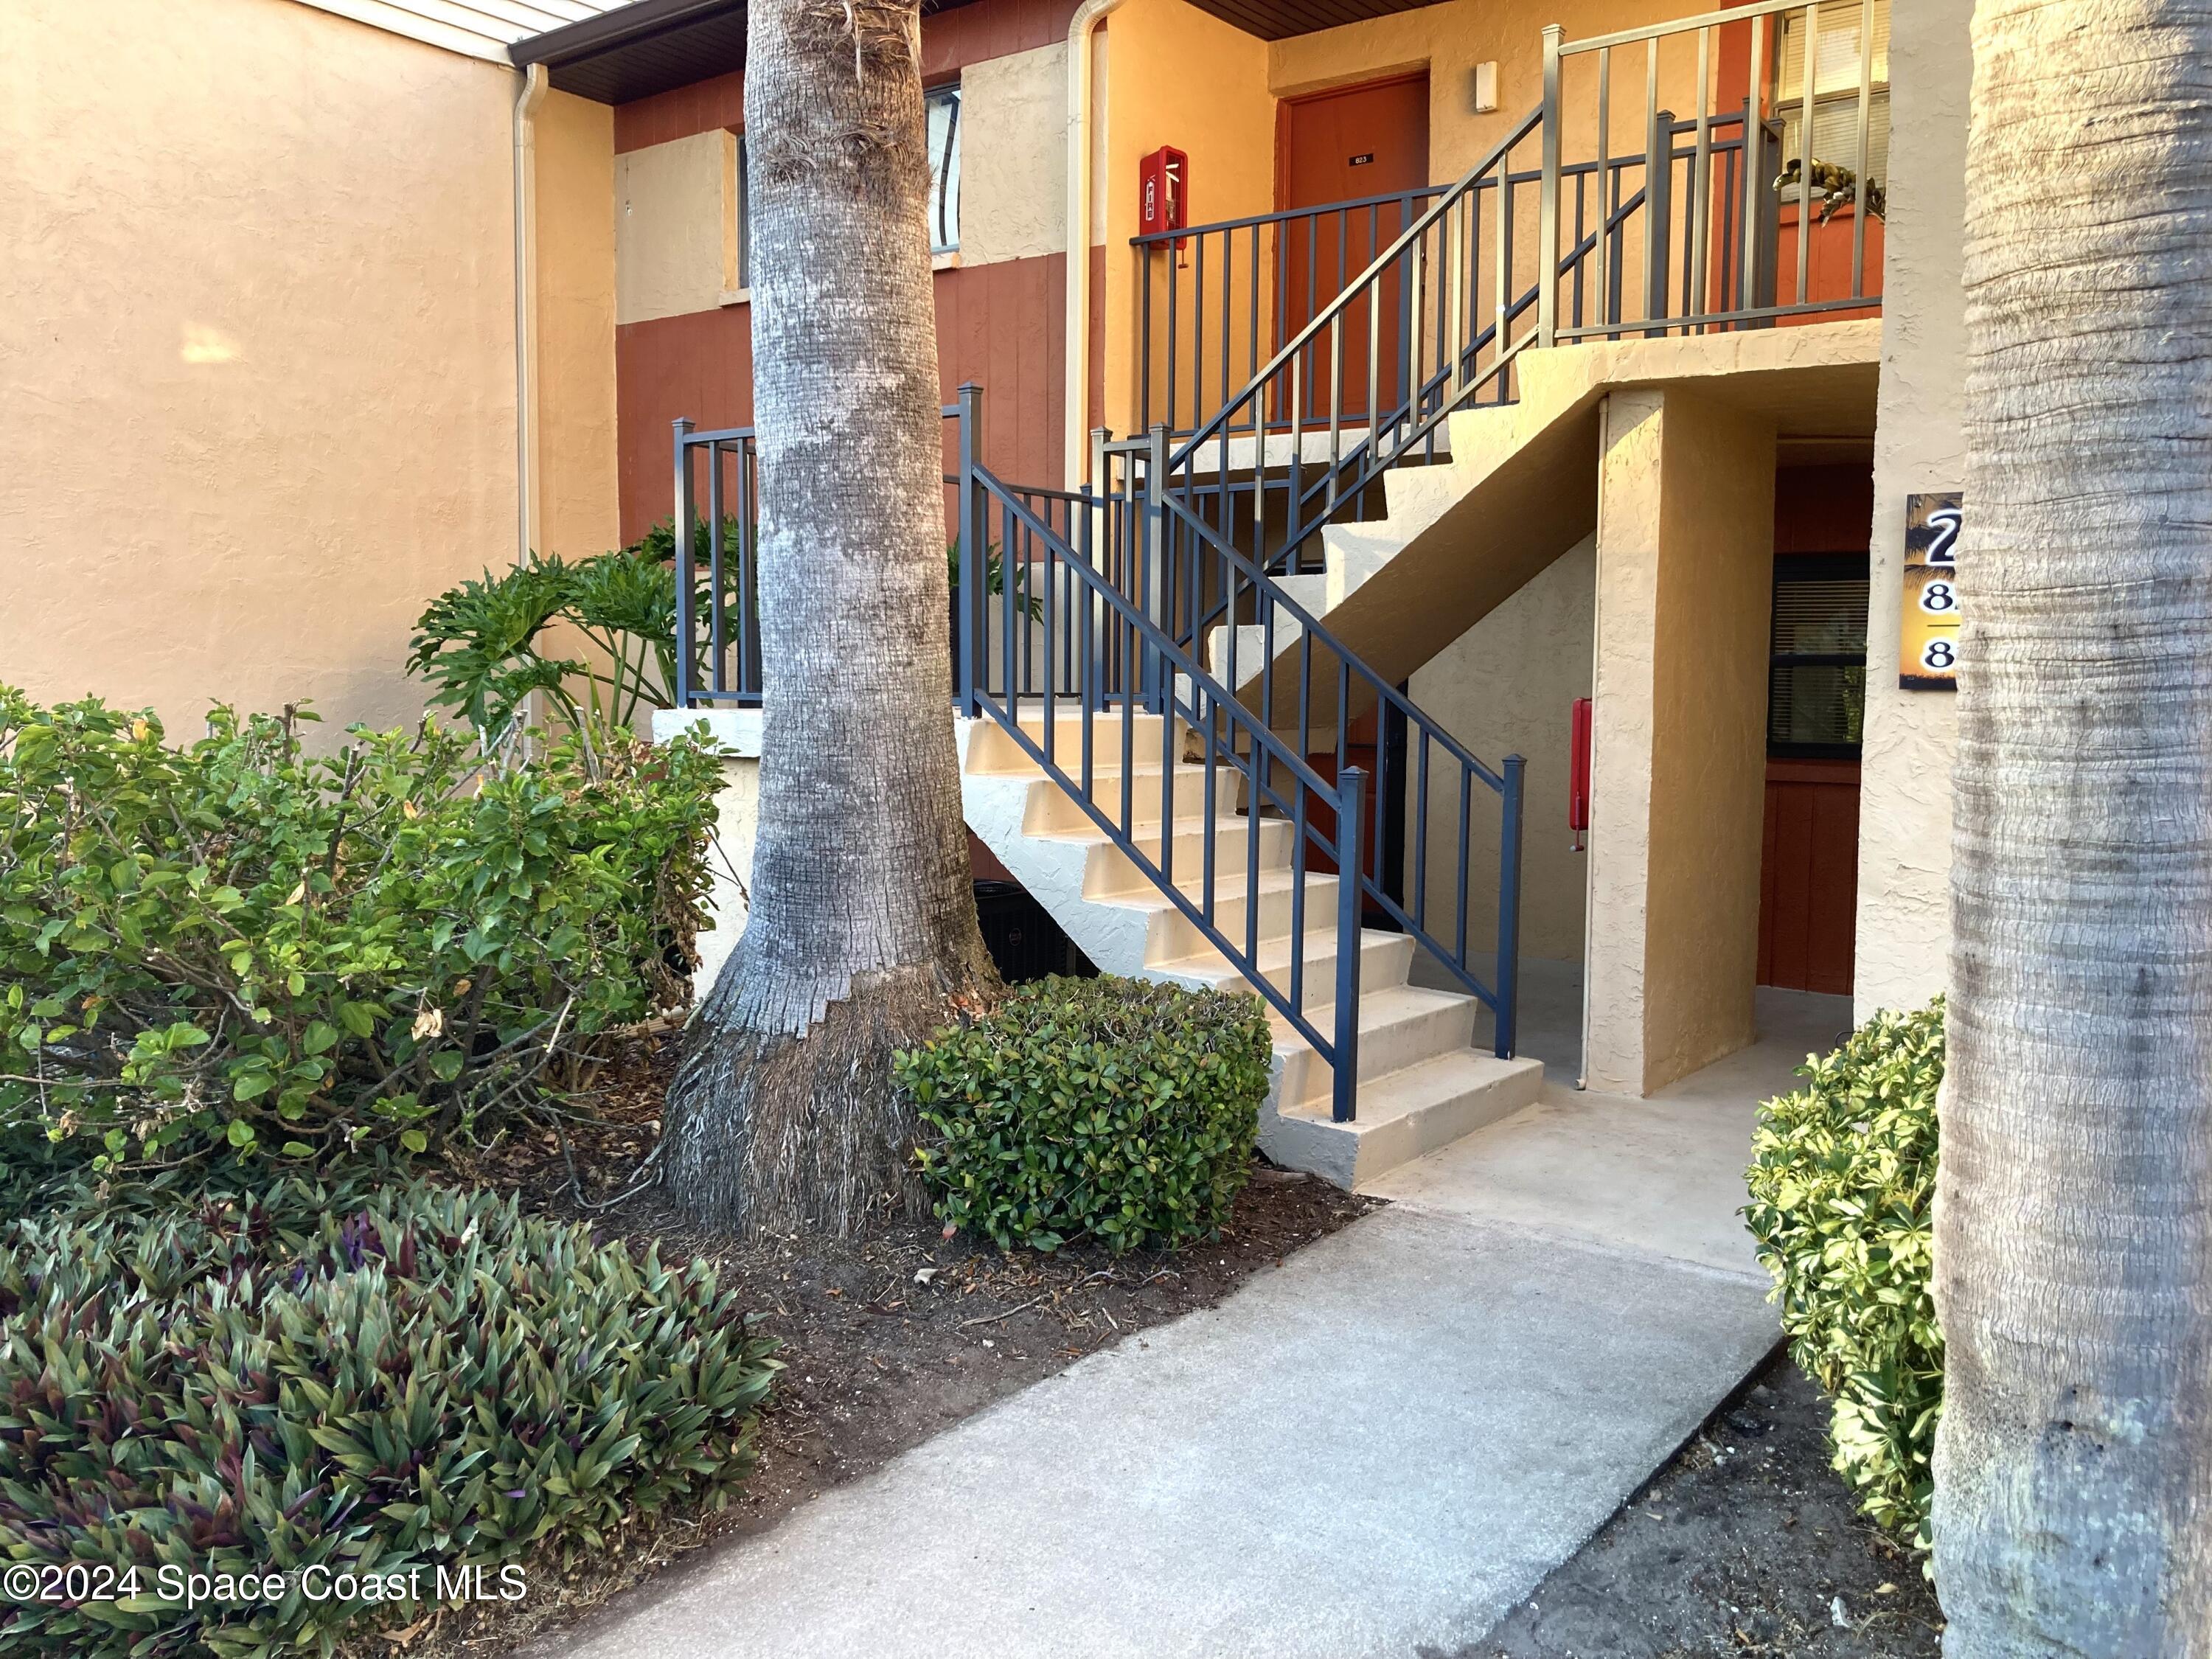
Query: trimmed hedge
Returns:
{"type": "Point", "coordinates": [1109, 1109]}
{"type": "Point", "coordinates": [1842, 1184]}
{"type": "Point", "coordinates": [433, 1378]}
{"type": "Point", "coordinates": [236, 950]}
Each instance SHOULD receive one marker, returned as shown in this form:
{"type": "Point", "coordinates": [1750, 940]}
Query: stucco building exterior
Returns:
{"type": "Point", "coordinates": [347, 304]}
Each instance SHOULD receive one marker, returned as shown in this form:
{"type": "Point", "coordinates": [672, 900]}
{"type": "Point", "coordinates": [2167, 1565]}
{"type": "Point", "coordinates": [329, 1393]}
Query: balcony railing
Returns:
{"type": "Point", "coordinates": [1377, 317]}
{"type": "Point", "coordinates": [1713, 225]}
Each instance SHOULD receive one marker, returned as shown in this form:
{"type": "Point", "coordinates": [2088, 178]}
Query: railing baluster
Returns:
{"type": "Point", "coordinates": [1298, 901]}
{"type": "Point", "coordinates": [1754, 153]}
{"type": "Point", "coordinates": [1700, 182]}
{"type": "Point", "coordinates": [1507, 973]}
{"type": "Point", "coordinates": [1351, 803]}
{"type": "Point", "coordinates": [1812, 73]}
{"type": "Point", "coordinates": [1421, 835]}
{"type": "Point", "coordinates": [1607, 316]}
{"type": "Point", "coordinates": [1175, 344]}
{"type": "Point", "coordinates": [1865, 185]}
{"type": "Point", "coordinates": [1145, 331]}
{"type": "Point", "coordinates": [1460, 884]}
{"type": "Point", "coordinates": [1547, 209]}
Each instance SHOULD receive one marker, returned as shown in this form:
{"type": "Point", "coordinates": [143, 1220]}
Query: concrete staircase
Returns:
{"type": "Point", "coordinates": [1520, 488]}
{"type": "Point", "coordinates": [1421, 1083]}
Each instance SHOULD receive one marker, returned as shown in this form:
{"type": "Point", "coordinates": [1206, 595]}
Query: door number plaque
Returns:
{"type": "Point", "coordinates": [1928, 640]}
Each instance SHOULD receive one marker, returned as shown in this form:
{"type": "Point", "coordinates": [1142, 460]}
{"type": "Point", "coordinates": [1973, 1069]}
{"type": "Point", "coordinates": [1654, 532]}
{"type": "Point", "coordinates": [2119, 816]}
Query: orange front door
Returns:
{"type": "Point", "coordinates": [1346, 145]}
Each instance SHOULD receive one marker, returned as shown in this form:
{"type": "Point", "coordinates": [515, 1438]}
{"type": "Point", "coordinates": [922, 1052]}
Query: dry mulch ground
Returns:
{"type": "Point", "coordinates": [887, 1338]}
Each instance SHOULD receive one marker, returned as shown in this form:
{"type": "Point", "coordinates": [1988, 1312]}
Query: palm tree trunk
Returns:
{"type": "Point", "coordinates": [862, 936]}
{"type": "Point", "coordinates": [2073, 1509]}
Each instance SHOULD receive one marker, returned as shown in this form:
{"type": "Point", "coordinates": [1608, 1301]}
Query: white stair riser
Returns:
{"type": "Point", "coordinates": [1348, 1154]}
{"type": "Point", "coordinates": [1385, 960]}
{"type": "Point", "coordinates": [993, 751]}
{"type": "Point", "coordinates": [1434, 1031]}
{"type": "Point", "coordinates": [1051, 808]}
{"type": "Point", "coordinates": [1175, 936]}
{"type": "Point", "coordinates": [1114, 874]}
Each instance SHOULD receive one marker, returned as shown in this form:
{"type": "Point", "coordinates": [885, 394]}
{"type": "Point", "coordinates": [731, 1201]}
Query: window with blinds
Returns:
{"type": "Point", "coordinates": [1817, 654]}
{"type": "Point", "coordinates": [1835, 43]}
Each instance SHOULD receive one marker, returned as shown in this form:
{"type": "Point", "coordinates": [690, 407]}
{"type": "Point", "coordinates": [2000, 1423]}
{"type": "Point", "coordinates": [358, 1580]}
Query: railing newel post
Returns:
{"type": "Point", "coordinates": [1547, 212]}
{"type": "Point", "coordinates": [1507, 974]}
{"type": "Point", "coordinates": [1151, 588]}
{"type": "Point", "coordinates": [685, 621]}
{"type": "Point", "coordinates": [975, 561]}
{"type": "Point", "coordinates": [1351, 872]}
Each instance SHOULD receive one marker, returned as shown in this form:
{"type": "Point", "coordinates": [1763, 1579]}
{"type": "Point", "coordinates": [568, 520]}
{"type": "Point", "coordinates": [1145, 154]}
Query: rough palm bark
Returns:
{"type": "Point", "coordinates": [2073, 1509]}
{"type": "Point", "coordinates": [862, 935]}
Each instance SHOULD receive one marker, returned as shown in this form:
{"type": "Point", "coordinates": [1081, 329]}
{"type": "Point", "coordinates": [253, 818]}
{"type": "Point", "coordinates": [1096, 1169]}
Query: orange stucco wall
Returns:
{"type": "Point", "coordinates": [257, 314]}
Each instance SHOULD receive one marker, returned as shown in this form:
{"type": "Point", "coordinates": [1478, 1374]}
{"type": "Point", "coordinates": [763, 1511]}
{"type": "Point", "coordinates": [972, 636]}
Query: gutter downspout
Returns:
{"type": "Point", "coordinates": [1080, 29]}
{"type": "Point", "coordinates": [534, 85]}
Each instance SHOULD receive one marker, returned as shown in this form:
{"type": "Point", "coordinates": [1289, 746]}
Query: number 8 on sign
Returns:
{"type": "Point", "coordinates": [1927, 641]}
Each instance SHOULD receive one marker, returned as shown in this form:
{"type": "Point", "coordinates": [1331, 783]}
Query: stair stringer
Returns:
{"type": "Point", "coordinates": [1520, 488]}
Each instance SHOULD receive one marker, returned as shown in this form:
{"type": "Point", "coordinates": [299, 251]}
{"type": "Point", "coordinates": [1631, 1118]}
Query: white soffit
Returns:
{"type": "Point", "coordinates": [481, 28]}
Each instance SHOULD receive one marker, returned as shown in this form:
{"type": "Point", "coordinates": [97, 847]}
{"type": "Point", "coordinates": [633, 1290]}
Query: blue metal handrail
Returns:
{"type": "Point", "coordinates": [1236, 575]}
{"type": "Point", "coordinates": [1129, 670]}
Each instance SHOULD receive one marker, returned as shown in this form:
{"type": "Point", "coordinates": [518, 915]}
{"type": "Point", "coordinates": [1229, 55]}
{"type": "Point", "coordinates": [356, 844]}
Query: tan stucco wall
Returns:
{"type": "Point", "coordinates": [577, 509]}
{"type": "Point", "coordinates": [1508, 687]}
{"type": "Point", "coordinates": [1905, 783]}
{"type": "Point", "coordinates": [257, 333]}
{"type": "Point", "coordinates": [1684, 573]}
{"type": "Point", "coordinates": [1180, 76]}
{"type": "Point", "coordinates": [676, 226]}
{"type": "Point", "coordinates": [1013, 184]}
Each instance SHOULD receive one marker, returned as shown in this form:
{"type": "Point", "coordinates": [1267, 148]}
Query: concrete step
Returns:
{"type": "Point", "coordinates": [1052, 808]}
{"type": "Point", "coordinates": [1385, 959]}
{"type": "Point", "coordinates": [1402, 1115]}
{"type": "Point", "coordinates": [1112, 872]}
{"type": "Point", "coordinates": [992, 751]}
{"type": "Point", "coordinates": [1172, 935]}
{"type": "Point", "coordinates": [1399, 1025]}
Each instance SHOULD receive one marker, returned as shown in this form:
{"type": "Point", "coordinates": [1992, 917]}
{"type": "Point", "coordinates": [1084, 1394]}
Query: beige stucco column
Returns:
{"type": "Point", "coordinates": [1684, 573]}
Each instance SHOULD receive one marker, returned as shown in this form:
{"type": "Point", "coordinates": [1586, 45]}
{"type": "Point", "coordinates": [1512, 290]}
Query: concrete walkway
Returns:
{"type": "Point", "coordinates": [1378, 1449]}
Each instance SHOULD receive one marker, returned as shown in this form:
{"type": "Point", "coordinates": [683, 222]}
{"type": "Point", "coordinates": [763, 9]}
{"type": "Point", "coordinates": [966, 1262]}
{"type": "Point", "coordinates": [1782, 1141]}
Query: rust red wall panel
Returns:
{"type": "Point", "coordinates": [1809, 875]}
{"type": "Point", "coordinates": [679, 112]}
{"type": "Point", "coordinates": [990, 28]}
{"type": "Point", "coordinates": [1824, 509]}
{"type": "Point", "coordinates": [1001, 325]}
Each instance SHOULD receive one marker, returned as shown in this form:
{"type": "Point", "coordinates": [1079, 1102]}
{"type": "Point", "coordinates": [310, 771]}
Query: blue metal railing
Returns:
{"type": "Point", "coordinates": [1303, 680]}
{"type": "Point", "coordinates": [1431, 324]}
{"type": "Point", "coordinates": [1089, 614]}
{"type": "Point", "coordinates": [1107, 662]}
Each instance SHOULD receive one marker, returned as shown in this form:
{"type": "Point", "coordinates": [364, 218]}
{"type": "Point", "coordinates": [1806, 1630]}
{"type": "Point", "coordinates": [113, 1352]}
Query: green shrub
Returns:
{"type": "Point", "coordinates": [434, 1379]}
{"type": "Point", "coordinates": [1107, 1108]}
{"type": "Point", "coordinates": [480, 642]}
{"type": "Point", "coordinates": [1842, 1180]}
{"type": "Point", "coordinates": [241, 950]}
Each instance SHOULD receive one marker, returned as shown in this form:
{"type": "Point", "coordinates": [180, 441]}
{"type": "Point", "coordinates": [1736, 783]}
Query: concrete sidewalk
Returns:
{"type": "Point", "coordinates": [1378, 1449]}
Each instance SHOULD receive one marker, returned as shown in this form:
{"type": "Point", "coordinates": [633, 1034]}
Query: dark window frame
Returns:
{"type": "Point", "coordinates": [1791, 568]}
